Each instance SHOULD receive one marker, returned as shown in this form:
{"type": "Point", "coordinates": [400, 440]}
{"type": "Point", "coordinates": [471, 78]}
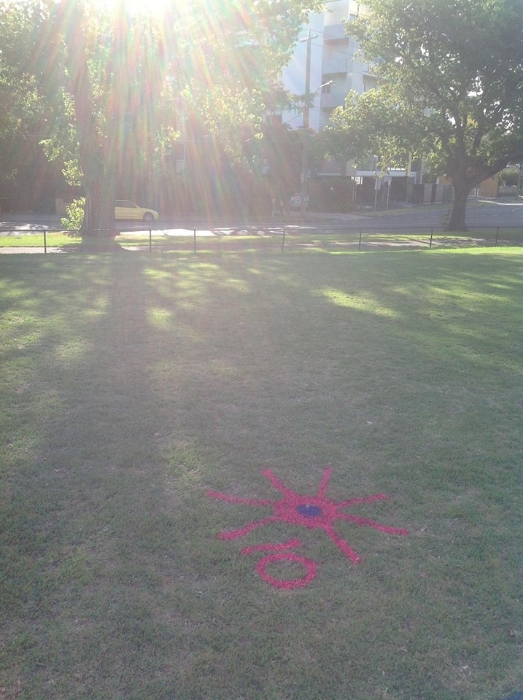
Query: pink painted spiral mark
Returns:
{"type": "Point", "coordinates": [261, 566]}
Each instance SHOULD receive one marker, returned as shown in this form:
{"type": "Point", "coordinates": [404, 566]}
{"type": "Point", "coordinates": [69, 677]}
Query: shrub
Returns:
{"type": "Point", "coordinates": [75, 216]}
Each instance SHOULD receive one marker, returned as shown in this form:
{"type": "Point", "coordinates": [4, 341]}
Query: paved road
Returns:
{"type": "Point", "coordinates": [481, 213]}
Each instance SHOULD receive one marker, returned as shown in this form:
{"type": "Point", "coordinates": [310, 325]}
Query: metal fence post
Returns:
{"type": "Point", "coordinates": [283, 240]}
{"type": "Point", "coordinates": [431, 234]}
{"type": "Point", "coordinates": [45, 242]}
{"type": "Point", "coordinates": [497, 234]}
{"type": "Point", "coordinates": [359, 241]}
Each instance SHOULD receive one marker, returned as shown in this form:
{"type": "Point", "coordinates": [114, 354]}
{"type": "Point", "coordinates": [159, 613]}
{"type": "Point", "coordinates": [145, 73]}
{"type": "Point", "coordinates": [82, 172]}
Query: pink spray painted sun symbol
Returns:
{"type": "Point", "coordinates": [315, 511]}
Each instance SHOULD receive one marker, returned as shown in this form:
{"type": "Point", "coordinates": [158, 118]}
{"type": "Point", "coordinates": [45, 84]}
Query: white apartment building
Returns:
{"type": "Point", "coordinates": [336, 68]}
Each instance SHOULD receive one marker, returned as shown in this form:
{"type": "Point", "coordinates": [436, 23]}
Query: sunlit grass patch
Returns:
{"type": "Point", "coordinates": [36, 240]}
{"type": "Point", "coordinates": [287, 238]}
{"type": "Point", "coordinates": [355, 301]}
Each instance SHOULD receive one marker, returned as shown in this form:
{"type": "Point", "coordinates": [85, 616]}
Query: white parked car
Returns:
{"type": "Point", "coordinates": [295, 201]}
{"type": "Point", "coordinates": [123, 209]}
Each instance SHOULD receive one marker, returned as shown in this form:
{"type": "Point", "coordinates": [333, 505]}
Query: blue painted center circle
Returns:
{"type": "Point", "coordinates": [309, 511]}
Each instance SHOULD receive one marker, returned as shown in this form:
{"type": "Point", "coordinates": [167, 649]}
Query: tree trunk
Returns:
{"type": "Point", "coordinates": [98, 177]}
{"type": "Point", "coordinates": [99, 209]}
{"type": "Point", "coordinates": [457, 216]}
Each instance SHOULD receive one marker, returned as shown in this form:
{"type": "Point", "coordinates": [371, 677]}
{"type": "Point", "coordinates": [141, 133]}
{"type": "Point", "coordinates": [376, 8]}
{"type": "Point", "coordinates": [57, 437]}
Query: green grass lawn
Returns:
{"type": "Point", "coordinates": [133, 384]}
{"type": "Point", "coordinates": [328, 240]}
{"type": "Point", "coordinates": [36, 240]}
{"type": "Point", "coordinates": [321, 239]}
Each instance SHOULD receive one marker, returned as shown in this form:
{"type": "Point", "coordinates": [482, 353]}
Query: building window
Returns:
{"type": "Point", "coordinates": [369, 82]}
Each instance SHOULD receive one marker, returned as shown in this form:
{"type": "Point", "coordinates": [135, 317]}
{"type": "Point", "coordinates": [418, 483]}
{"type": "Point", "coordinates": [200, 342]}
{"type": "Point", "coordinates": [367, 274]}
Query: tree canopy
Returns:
{"type": "Point", "coordinates": [123, 83]}
{"type": "Point", "coordinates": [450, 90]}
{"type": "Point", "coordinates": [27, 101]}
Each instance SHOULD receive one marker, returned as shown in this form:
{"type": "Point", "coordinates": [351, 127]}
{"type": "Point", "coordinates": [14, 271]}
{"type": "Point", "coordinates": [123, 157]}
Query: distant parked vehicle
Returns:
{"type": "Point", "coordinates": [295, 201]}
{"type": "Point", "coordinates": [129, 210]}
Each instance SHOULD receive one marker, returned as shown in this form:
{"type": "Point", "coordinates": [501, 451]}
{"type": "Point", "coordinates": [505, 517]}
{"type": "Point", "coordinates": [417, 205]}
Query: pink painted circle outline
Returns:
{"type": "Point", "coordinates": [309, 564]}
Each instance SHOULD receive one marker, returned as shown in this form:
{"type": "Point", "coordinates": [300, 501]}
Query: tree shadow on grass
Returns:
{"type": "Point", "coordinates": [136, 383]}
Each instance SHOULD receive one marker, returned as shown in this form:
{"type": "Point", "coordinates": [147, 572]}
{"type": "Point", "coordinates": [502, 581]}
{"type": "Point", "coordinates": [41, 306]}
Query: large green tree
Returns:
{"type": "Point", "coordinates": [119, 82]}
{"type": "Point", "coordinates": [450, 90]}
{"type": "Point", "coordinates": [28, 105]}
{"type": "Point", "coordinates": [116, 90]}
{"type": "Point", "coordinates": [134, 77]}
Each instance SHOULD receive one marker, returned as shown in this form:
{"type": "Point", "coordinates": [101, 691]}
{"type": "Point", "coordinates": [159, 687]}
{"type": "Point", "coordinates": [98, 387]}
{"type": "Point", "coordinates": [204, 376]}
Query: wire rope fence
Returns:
{"type": "Point", "coordinates": [285, 237]}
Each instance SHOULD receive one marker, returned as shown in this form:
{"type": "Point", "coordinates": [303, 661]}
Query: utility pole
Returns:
{"type": "Point", "coordinates": [305, 150]}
